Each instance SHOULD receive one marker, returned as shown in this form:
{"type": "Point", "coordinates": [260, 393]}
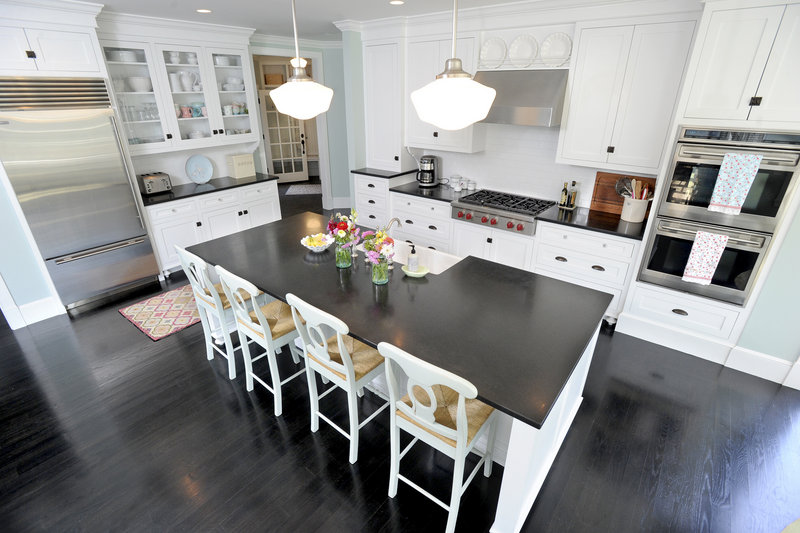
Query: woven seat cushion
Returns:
{"type": "Point", "coordinates": [446, 409]}
{"type": "Point", "coordinates": [279, 319]}
{"type": "Point", "coordinates": [365, 359]}
{"type": "Point", "coordinates": [222, 298]}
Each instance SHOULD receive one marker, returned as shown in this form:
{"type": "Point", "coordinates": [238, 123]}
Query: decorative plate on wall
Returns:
{"type": "Point", "coordinates": [556, 49]}
{"type": "Point", "coordinates": [199, 169]}
{"type": "Point", "coordinates": [523, 51]}
{"type": "Point", "coordinates": [493, 53]}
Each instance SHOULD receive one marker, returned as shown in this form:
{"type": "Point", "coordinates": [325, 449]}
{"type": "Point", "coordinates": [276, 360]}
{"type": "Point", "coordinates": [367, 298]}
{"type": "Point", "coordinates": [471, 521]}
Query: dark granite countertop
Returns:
{"type": "Point", "coordinates": [378, 173]}
{"type": "Point", "coordinates": [517, 336]}
{"type": "Point", "coordinates": [441, 192]}
{"type": "Point", "coordinates": [599, 221]}
{"type": "Point", "coordinates": [180, 192]}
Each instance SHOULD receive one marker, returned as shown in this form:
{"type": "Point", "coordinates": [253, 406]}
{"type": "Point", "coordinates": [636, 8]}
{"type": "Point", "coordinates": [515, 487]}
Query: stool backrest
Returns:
{"type": "Point", "coordinates": [422, 378]}
{"type": "Point", "coordinates": [235, 289]}
{"type": "Point", "coordinates": [316, 330]}
{"type": "Point", "coordinates": [197, 272]}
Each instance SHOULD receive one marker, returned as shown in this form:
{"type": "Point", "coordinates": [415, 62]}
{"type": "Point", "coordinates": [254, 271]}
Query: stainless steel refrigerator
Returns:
{"type": "Point", "coordinates": [61, 150]}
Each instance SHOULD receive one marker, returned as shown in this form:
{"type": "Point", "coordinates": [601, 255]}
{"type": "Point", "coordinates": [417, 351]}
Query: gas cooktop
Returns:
{"type": "Point", "coordinates": [501, 210]}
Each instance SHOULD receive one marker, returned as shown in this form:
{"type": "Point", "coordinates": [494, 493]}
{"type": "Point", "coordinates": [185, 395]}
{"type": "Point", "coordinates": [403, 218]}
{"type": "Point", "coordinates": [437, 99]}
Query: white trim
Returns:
{"type": "Point", "coordinates": [349, 25]}
{"type": "Point", "coordinates": [264, 39]}
{"type": "Point", "coordinates": [9, 307]}
{"type": "Point", "coordinates": [793, 377]}
{"type": "Point", "coordinates": [322, 120]}
{"type": "Point", "coordinates": [758, 364]}
{"type": "Point", "coordinates": [41, 310]}
{"type": "Point", "coordinates": [121, 26]}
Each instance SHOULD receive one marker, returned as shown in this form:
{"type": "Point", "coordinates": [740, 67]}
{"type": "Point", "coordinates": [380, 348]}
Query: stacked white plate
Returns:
{"type": "Point", "coordinates": [233, 87]}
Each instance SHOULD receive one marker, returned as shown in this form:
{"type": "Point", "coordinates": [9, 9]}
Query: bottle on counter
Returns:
{"type": "Point", "coordinates": [413, 260]}
{"type": "Point", "coordinates": [564, 201]}
{"type": "Point", "coordinates": [573, 193]}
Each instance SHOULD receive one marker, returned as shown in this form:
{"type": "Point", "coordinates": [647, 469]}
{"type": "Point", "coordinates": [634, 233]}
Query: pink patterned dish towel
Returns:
{"type": "Point", "coordinates": [736, 175]}
{"type": "Point", "coordinates": [704, 257]}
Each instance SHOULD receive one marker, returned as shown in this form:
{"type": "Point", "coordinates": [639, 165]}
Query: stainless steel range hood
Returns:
{"type": "Point", "coordinates": [526, 97]}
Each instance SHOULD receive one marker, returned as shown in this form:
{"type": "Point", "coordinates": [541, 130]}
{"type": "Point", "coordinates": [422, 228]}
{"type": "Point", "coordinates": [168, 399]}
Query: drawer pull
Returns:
{"type": "Point", "coordinates": [434, 228]}
{"type": "Point", "coordinates": [409, 221]}
{"type": "Point", "coordinates": [561, 259]}
{"type": "Point", "coordinates": [372, 217]}
{"type": "Point", "coordinates": [680, 312]}
{"type": "Point", "coordinates": [598, 268]}
{"type": "Point", "coordinates": [370, 185]}
{"type": "Point", "coordinates": [370, 201]}
{"type": "Point", "coordinates": [432, 247]}
{"type": "Point", "coordinates": [409, 242]}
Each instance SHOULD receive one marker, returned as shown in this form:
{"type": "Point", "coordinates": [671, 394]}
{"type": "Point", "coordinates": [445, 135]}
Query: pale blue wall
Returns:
{"type": "Point", "coordinates": [773, 325]}
{"type": "Point", "coordinates": [337, 123]}
{"type": "Point", "coordinates": [18, 263]}
{"type": "Point", "coordinates": [353, 63]}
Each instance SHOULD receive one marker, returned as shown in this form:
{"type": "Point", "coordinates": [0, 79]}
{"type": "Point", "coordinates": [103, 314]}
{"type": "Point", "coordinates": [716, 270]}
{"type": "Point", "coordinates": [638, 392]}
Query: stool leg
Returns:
{"type": "Point", "coordinates": [226, 335]}
{"type": "Point", "coordinates": [276, 381]}
{"type": "Point", "coordinates": [248, 362]}
{"type": "Point", "coordinates": [352, 404]}
{"type": "Point", "coordinates": [206, 332]}
{"type": "Point", "coordinates": [455, 496]}
{"type": "Point", "coordinates": [394, 443]}
{"type": "Point", "coordinates": [313, 397]}
{"type": "Point", "coordinates": [294, 351]}
{"type": "Point", "coordinates": [487, 466]}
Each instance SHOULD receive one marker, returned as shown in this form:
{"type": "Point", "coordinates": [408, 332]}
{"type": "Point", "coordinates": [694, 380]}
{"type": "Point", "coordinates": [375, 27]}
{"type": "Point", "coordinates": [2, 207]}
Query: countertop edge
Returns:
{"type": "Point", "coordinates": [378, 173]}
{"type": "Point", "coordinates": [234, 183]}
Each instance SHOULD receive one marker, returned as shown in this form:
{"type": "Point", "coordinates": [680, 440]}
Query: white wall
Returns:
{"type": "Point", "coordinates": [519, 159]}
{"type": "Point", "coordinates": [173, 163]}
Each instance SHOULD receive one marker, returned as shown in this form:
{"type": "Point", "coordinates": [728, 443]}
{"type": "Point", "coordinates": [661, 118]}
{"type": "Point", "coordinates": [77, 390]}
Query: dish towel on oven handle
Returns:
{"type": "Point", "coordinates": [736, 175]}
{"type": "Point", "coordinates": [704, 257]}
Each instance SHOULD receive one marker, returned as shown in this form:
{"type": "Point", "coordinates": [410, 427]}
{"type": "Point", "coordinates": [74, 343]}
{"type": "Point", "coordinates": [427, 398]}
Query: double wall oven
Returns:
{"type": "Point", "coordinates": [683, 210]}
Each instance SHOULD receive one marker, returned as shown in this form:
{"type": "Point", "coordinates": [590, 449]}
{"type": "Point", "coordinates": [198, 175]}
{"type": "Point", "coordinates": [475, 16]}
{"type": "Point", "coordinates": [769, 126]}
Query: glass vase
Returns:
{"type": "Point", "coordinates": [380, 272]}
{"type": "Point", "coordinates": [343, 257]}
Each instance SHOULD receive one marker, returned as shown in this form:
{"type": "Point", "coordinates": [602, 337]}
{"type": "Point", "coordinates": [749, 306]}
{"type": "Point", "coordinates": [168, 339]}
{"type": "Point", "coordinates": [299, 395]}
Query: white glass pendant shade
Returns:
{"type": "Point", "coordinates": [302, 99]}
{"type": "Point", "coordinates": [453, 103]}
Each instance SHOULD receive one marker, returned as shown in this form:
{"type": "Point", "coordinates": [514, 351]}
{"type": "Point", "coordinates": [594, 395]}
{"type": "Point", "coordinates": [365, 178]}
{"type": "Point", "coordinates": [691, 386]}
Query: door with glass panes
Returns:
{"type": "Point", "coordinates": [287, 142]}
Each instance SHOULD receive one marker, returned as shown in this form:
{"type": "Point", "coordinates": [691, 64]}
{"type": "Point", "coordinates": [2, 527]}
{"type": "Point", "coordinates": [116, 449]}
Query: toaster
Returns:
{"type": "Point", "coordinates": [154, 182]}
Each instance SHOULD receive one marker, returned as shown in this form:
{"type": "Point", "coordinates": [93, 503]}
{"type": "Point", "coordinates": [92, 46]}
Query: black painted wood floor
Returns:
{"type": "Point", "coordinates": [105, 430]}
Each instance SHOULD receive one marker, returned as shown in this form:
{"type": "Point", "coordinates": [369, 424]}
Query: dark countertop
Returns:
{"type": "Point", "coordinates": [180, 192]}
{"type": "Point", "coordinates": [440, 192]}
{"type": "Point", "coordinates": [378, 173]}
{"type": "Point", "coordinates": [599, 221]}
{"type": "Point", "coordinates": [515, 335]}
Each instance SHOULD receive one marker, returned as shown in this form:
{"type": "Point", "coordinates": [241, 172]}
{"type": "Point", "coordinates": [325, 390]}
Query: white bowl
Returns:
{"type": "Point", "coordinates": [140, 84]}
{"type": "Point", "coordinates": [123, 55]}
{"type": "Point", "coordinates": [222, 61]}
{"type": "Point", "coordinates": [196, 134]}
{"type": "Point", "coordinates": [232, 87]}
{"type": "Point", "coordinates": [321, 248]}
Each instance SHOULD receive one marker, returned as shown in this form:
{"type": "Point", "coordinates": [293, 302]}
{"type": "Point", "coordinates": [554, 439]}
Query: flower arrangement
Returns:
{"type": "Point", "coordinates": [346, 235]}
{"type": "Point", "coordinates": [380, 249]}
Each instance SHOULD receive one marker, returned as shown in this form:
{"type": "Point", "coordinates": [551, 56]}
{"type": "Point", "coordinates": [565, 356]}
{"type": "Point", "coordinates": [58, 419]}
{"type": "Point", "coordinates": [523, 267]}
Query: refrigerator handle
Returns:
{"type": "Point", "coordinates": [127, 172]}
{"type": "Point", "coordinates": [97, 251]}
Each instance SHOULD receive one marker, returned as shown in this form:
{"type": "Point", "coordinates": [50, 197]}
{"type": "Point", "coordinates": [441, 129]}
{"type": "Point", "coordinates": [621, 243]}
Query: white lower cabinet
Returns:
{"type": "Point", "coordinates": [372, 198]}
{"type": "Point", "coordinates": [494, 245]}
{"type": "Point", "coordinates": [423, 222]}
{"type": "Point", "coordinates": [587, 258]}
{"type": "Point", "coordinates": [210, 216]}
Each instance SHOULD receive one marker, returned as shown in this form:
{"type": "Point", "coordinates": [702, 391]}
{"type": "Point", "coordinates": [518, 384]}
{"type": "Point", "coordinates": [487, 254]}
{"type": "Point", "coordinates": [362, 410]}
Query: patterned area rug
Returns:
{"type": "Point", "coordinates": [164, 314]}
{"type": "Point", "coordinates": [312, 188]}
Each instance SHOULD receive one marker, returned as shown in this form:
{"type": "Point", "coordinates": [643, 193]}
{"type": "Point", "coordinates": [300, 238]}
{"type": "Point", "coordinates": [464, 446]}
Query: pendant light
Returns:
{"type": "Point", "coordinates": [453, 100]}
{"type": "Point", "coordinates": [301, 97]}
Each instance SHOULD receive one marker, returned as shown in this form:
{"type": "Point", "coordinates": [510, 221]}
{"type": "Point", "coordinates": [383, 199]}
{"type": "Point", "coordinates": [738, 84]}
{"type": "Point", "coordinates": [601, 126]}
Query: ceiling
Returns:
{"type": "Point", "coordinates": [274, 17]}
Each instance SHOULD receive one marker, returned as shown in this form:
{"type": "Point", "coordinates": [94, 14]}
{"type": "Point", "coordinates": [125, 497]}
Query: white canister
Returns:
{"type": "Point", "coordinates": [634, 210]}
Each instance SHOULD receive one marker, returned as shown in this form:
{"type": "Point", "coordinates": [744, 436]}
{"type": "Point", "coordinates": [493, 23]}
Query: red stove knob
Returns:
{"type": "Point", "coordinates": [510, 225]}
{"type": "Point", "coordinates": [484, 220]}
{"type": "Point", "coordinates": [493, 221]}
{"type": "Point", "coordinates": [469, 216]}
{"type": "Point", "coordinates": [461, 214]}
{"type": "Point", "coordinates": [520, 227]}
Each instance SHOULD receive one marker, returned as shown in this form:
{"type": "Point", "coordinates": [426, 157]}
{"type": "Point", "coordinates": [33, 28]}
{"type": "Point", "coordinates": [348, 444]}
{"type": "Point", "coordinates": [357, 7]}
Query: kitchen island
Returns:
{"type": "Point", "coordinates": [525, 341]}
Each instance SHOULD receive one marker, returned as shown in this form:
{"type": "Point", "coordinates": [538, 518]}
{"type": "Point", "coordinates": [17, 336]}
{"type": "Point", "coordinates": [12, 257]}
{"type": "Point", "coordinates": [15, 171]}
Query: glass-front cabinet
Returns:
{"type": "Point", "coordinates": [131, 73]}
{"type": "Point", "coordinates": [173, 97]}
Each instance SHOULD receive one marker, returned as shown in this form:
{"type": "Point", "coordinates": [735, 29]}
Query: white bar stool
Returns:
{"type": "Point", "coordinates": [439, 409]}
{"type": "Point", "coordinates": [213, 307]}
{"type": "Point", "coordinates": [349, 364]}
{"type": "Point", "coordinates": [270, 326]}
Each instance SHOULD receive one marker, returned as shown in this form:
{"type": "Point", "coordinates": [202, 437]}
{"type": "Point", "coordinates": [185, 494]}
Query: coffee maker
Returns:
{"type": "Point", "coordinates": [428, 175]}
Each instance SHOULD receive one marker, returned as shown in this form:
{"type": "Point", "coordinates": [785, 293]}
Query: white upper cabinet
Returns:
{"type": "Point", "coordinates": [383, 107]}
{"type": "Point", "coordinates": [425, 60]}
{"type": "Point", "coordinates": [622, 95]}
{"type": "Point", "coordinates": [40, 50]}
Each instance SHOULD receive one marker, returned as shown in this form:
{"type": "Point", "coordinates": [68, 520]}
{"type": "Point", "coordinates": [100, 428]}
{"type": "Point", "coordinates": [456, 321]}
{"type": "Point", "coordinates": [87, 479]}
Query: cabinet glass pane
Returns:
{"type": "Point", "coordinates": [187, 90]}
{"type": "Point", "coordinates": [132, 82]}
{"type": "Point", "coordinates": [229, 77]}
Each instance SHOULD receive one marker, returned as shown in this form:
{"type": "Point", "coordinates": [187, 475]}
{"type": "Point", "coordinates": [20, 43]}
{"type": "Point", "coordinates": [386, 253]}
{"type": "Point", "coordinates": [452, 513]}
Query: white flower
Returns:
{"type": "Point", "coordinates": [341, 233]}
{"type": "Point", "coordinates": [387, 250]}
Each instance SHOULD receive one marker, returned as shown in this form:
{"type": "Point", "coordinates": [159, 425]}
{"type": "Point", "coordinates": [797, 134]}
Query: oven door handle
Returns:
{"type": "Point", "coordinates": [755, 244]}
{"type": "Point", "coordinates": [717, 156]}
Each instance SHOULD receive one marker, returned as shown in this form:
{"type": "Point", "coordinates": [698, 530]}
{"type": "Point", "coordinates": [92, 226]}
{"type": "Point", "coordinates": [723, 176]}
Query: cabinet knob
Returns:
{"type": "Point", "coordinates": [169, 136]}
{"type": "Point", "coordinates": [561, 259]}
{"type": "Point", "coordinates": [680, 312]}
{"type": "Point", "coordinates": [31, 54]}
{"type": "Point", "coordinates": [610, 149]}
{"type": "Point", "coordinates": [755, 101]}
{"type": "Point", "coordinates": [240, 213]}
{"type": "Point", "coordinates": [245, 211]}
{"type": "Point", "coordinates": [397, 158]}
{"type": "Point", "coordinates": [489, 240]}
{"type": "Point", "coordinates": [198, 224]}
{"type": "Point", "coordinates": [435, 133]}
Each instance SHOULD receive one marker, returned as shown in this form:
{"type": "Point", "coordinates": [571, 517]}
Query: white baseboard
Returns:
{"type": "Point", "coordinates": [758, 364]}
{"type": "Point", "coordinates": [9, 307]}
{"type": "Point", "coordinates": [714, 350]}
{"type": "Point", "coordinates": [41, 310]}
{"type": "Point", "coordinates": [793, 377]}
{"type": "Point", "coordinates": [341, 202]}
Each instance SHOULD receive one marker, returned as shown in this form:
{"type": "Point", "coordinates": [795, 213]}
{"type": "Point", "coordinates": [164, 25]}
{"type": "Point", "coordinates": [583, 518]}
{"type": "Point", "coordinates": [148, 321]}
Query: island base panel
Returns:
{"type": "Point", "coordinates": [531, 451]}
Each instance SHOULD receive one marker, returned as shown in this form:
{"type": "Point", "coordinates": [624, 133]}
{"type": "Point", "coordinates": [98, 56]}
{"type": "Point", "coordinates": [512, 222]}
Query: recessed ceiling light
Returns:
{"type": "Point", "coordinates": [203, 11]}
{"type": "Point", "coordinates": [396, 2]}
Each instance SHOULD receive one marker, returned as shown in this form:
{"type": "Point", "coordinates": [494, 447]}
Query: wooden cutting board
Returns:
{"type": "Point", "coordinates": [605, 197]}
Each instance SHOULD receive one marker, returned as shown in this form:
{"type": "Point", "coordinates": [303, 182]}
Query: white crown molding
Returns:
{"type": "Point", "coordinates": [349, 25]}
{"type": "Point", "coordinates": [40, 12]}
{"type": "Point", "coordinates": [136, 27]}
{"type": "Point", "coordinates": [261, 39]}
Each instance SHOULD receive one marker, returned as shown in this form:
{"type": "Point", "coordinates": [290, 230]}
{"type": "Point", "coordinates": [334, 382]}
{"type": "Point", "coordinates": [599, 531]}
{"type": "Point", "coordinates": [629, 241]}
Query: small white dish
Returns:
{"type": "Point", "coordinates": [199, 169]}
{"type": "Point", "coordinates": [421, 272]}
{"type": "Point", "coordinates": [523, 51]}
{"type": "Point", "coordinates": [556, 49]}
{"type": "Point", "coordinates": [320, 248]}
{"type": "Point", "coordinates": [493, 53]}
